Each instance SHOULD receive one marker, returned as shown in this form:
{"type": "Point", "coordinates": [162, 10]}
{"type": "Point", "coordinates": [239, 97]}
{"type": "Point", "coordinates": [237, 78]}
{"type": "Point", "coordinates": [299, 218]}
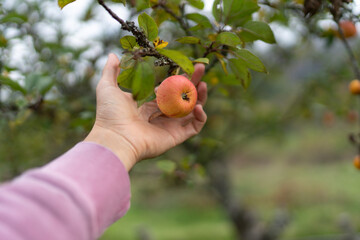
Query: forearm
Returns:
{"type": "Point", "coordinates": [74, 197]}
{"type": "Point", "coordinates": [114, 142]}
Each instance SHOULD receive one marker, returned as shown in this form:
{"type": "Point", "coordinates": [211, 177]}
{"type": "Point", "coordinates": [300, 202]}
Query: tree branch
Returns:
{"type": "Point", "coordinates": [147, 49]}
{"type": "Point", "coordinates": [291, 6]}
{"type": "Point", "coordinates": [209, 49]}
{"type": "Point", "coordinates": [354, 63]}
{"type": "Point", "coordinates": [116, 17]}
{"type": "Point", "coordinates": [180, 19]}
{"type": "Point", "coordinates": [128, 26]}
{"type": "Point", "coordinates": [183, 24]}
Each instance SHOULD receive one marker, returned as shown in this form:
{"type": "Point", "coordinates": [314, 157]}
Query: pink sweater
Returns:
{"type": "Point", "coordinates": [77, 196]}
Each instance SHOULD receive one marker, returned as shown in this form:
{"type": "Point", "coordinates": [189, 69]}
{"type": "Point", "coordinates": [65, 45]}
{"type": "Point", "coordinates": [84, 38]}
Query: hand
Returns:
{"type": "Point", "coordinates": [125, 129]}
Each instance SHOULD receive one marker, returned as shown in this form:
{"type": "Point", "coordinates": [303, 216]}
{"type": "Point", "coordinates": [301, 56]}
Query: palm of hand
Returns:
{"type": "Point", "coordinates": [118, 112]}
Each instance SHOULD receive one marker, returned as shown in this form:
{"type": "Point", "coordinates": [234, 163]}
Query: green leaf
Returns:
{"type": "Point", "coordinates": [3, 41]}
{"type": "Point", "coordinates": [230, 80]}
{"type": "Point", "coordinates": [231, 6]}
{"type": "Point", "coordinates": [241, 16]}
{"type": "Point", "coordinates": [36, 83]}
{"type": "Point", "coordinates": [250, 60]}
{"type": "Point", "coordinates": [189, 40]}
{"type": "Point", "coordinates": [196, 3]}
{"type": "Point", "coordinates": [201, 60]}
{"type": "Point", "coordinates": [148, 25]}
{"type": "Point", "coordinates": [142, 4]}
{"type": "Point", "coordinates": [31, 82]}
{"type": "Point", "coordinates": [241, 72]}
{"type": "Point", "coordinates": [217, 10]}
{"type": "Point", "coordinates": [143, 82]}
{"type": "Point", "coordinates": [128, 42]}
{"type": "Point", "coordinates": [44, 85]}
{"type": "Point", "coordinates": [127, 61]}
{"type": "Point", "coordinates": [228, 38]}
{"type": "Point", "coordinates": [166, 165]}
{"type": "Point", "coordinates": [183, 61]}
{"type": "Point", "coordinates": [120, 1]}
{"type": "Point", "coordinates": [147, 99]}
{"type": "Point", "coordinates": [12, 84]}
{"type": "Point", "coordinates": [63, 3]}
{"type": "Point", "coordinates": [224, 91]}
{"type": "Point", "coordinates": [254, 30]}
{"type": "Point", "coordinates": [21, 103]}
{"type": "Point", "coordinates": [160, 15]}
{"type": "Point", "coordinates": [14, 17]}
{"type": "Point", "coordinates": [201, 20]}
{"type": "Point", "coordinates": [125, 78]}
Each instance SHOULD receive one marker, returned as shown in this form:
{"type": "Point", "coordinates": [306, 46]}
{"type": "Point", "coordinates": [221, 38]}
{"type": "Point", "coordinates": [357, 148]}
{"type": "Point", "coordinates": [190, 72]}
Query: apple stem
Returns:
{"type": "Point", "coordinates": [185, 97]}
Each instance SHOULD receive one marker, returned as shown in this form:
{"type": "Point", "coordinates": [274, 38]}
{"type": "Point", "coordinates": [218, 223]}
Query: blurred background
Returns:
{"type": "Point", "coordinates": [273, 161]}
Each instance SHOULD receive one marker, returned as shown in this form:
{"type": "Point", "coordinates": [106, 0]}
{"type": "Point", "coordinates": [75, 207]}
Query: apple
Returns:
{"type": "Point", "coordinates": [348, 28]}
{"type": "Point", "coordinates": [176, 96]}
{"type": "Point", "coordinates": [356, 162]}
{"type": "Point", "coordinates": [354, 86]}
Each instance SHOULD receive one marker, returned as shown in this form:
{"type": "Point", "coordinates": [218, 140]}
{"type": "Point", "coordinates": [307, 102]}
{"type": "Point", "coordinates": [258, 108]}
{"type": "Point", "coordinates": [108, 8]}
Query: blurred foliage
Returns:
{"type": "Point", "coordinates": [43, 83]}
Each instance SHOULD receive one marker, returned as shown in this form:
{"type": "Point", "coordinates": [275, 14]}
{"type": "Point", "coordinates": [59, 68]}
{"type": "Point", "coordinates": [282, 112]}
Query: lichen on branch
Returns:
{"type": "Point", "coordinates": [146, 48]}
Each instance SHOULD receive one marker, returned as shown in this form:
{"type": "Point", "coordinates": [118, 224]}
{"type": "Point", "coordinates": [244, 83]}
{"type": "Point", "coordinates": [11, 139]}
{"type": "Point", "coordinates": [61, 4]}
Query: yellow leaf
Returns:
{"type": "Point", "coordinates": [162, 45]}
{"type": "Point", "coordinates": [63, 3]}
{"type": "Point", "coordinates": [156, 41]}
{"type": "Point", "coordinates": [222, 62]}
{"type": "Point", "coordinates": [175, 71]}
{"type": "Point", "coordinates": [159, 44]}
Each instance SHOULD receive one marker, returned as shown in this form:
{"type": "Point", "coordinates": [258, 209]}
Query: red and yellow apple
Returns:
{"type": "Point", "coordinates": [176, 96]}
{"type": "Point", "coordinates": [354, 87]}
{"type": "Point", "coordinates": [348, 28]}
{"type": "Point", "coordinates": [356, 162]}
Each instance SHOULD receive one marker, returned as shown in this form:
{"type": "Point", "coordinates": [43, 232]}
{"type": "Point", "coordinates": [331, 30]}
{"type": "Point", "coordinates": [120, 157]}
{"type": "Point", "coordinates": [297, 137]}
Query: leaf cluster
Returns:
{"type": "Point", "coordinates": [222, 40]}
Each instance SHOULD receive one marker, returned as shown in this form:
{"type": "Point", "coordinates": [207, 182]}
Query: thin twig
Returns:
{"type": "Point", "coordinates": [290, 6]}
{"type": "Point", "coordinates": [116, 17]}
{"type": "Point", "coordinates": [180, 19]}
{"type": "Point", "coordinates": [194, 48]}
{"type": "Point", "coordinates": [183, 24]}
{"type": "Point", "coordinates": [209, 49]}
{"type": "Point", "coordinates": [353, 61]}
{"type": "Point", "coordinates": [147, 48]}
{"type": "Point", "coordinates": [128, 26]}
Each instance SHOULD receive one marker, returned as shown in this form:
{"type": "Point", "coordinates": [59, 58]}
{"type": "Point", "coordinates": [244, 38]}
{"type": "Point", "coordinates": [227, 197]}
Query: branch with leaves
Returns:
{"type": "Point", "coordinates": [144, 50]}
{"type": "Point", "coordinates": [149, 32]}
{"type": "Point", "coordinates": [183, 24]}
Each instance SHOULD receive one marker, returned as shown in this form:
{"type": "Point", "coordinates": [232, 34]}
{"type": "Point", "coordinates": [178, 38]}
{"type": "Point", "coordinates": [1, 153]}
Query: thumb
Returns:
{"type": "Point", "coordinates": [110, 71]}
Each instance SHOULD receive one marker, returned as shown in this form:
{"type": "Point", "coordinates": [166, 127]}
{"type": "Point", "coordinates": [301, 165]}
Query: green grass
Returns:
{"type": "Point", "coordinates": [315, 196]}
{"type": "Point", "coordinates": [311, 177]}
{"type": "Point", "coordinates": [177, 223]}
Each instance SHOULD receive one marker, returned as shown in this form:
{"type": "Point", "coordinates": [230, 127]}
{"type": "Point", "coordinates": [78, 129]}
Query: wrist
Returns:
{"type": "Point", "coordinates": [116, 143]}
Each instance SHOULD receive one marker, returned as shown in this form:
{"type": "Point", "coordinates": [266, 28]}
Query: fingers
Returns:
{"type": "Point", "coordinates": [198, 73]}
{"type": "Point", "coordinates": [110, 71]}
{"type": "Point", "coordinates": [198, 121]}
{"type": "Point", "coordinates": [202, 93]}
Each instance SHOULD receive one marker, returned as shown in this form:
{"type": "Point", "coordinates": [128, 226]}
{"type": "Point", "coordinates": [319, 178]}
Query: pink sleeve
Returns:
{"type": "Point", "coordinates": [77, 196]}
